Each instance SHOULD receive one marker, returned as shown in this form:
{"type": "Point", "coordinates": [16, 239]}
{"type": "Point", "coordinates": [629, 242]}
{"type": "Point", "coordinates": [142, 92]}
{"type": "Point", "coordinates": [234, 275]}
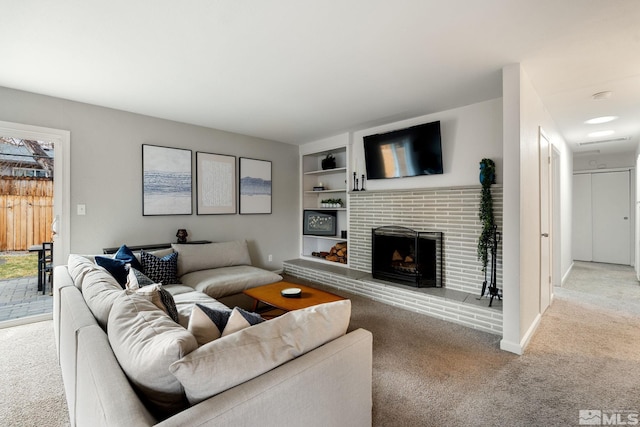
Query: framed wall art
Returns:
{"type": "Point", "coordinates": [255, 186]}
{"type": "Point", "coordinates": [215, 184]}
{"type": "Point", "coordinates": [317, 223]}
{"type": "Point", "coordinates": [166, 181]}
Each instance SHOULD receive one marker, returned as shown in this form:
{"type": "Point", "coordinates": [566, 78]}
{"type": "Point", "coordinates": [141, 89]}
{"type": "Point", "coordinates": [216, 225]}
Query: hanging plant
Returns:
{"type": "Point", "coordinates": [487, 177]}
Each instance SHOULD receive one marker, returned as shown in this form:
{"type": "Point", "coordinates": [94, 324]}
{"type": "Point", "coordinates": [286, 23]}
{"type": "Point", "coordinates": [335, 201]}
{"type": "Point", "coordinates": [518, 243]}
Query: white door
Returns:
{"type": "Point", "coordinates": [611, 224]}
{"type": "Point", "coordinates": [545, 223]}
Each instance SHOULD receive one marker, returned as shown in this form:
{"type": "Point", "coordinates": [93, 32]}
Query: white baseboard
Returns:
{"type": "Point", "coordinates": [566, 275]}
{"type": "Point", "coordinates": [518, 348]}
{"type": "Point", "coordinates": [26, 320]}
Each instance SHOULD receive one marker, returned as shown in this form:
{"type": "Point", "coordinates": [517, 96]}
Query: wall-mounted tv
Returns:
{"type": "Point", "coordinates": [406, 152]}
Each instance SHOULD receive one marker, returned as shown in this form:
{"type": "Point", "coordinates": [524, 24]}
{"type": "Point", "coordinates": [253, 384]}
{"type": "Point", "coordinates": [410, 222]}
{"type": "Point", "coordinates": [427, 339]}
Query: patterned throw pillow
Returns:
{"type": "Point", "coordinates": [160, 270]}
{"type": "Point", "coordinates": [206, 324]}
{"type": "Point", "coordinates": [137, 279]}
{"type": "Point", "coordinates": [240, 319]}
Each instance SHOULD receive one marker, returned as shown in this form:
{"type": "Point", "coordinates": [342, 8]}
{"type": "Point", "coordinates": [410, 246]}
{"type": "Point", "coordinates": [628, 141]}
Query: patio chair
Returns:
{"type": "Point", "coordinates": [45, 266]}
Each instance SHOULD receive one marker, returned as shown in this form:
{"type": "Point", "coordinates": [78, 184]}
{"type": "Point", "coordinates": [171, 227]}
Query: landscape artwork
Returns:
{"type": "Point", "coordinates": [166, 181]}
{"type": "Point", "coordinates": [255, 186]}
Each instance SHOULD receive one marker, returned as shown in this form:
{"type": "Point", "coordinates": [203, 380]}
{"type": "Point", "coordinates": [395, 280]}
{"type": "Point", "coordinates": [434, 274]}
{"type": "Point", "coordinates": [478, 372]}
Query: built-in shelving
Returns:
{"type": "Point", "coordinates": [334, 181]}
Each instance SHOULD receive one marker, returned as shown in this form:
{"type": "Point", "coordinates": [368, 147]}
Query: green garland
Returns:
{"type": "Point", "coordinates": [487, 177]}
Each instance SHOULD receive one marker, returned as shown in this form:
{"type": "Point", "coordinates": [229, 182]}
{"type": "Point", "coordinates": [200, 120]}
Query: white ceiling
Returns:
{"type": "Point", "coordinates": [298, 70]}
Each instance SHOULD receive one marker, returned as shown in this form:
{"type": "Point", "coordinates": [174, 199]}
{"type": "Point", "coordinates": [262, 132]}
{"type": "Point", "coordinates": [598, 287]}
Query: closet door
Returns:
{"type": "Point", "coordinates": [610, 211]}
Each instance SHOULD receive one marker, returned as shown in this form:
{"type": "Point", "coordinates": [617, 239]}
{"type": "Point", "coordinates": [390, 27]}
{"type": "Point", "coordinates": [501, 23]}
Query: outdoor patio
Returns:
{"type": "Point", "coordinates": [20, 298]}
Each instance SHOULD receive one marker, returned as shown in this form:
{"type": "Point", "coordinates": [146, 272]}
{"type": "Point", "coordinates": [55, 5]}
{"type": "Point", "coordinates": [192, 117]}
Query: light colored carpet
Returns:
{"type": "Point", "coordinates": [429, 372]}
{"type": "Point", "coordinates": [31, 391]}
{"type": "Point", "coordinates": [426, 372]}
{"type": "Point", "coordinates": [610, 286]}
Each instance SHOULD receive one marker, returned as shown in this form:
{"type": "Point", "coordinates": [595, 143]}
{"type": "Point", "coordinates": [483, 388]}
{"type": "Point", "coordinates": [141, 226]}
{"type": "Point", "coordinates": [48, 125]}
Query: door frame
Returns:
{"type": "Point", "coordinates": [61, 179]}
{"type": "Point", "coordinates": [546, 220]}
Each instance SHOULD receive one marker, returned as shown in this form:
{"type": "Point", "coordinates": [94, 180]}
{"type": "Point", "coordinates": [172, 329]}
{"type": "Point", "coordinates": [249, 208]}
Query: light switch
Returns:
{"type": "Point", "coordinates": [82, 209]}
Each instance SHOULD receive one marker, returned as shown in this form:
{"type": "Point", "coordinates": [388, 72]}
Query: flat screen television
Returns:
{"type": "Point", "coordinates": [413, 151]}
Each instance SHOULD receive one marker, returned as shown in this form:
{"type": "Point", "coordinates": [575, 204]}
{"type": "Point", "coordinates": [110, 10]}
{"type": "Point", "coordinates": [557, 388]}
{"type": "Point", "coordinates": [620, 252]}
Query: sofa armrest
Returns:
{"type": "Point", "coordinates": [104, 396]}
{"type": "Point", "coordinates": [61, 280]}
{"type": "Point", "coordinates": [329, 386]}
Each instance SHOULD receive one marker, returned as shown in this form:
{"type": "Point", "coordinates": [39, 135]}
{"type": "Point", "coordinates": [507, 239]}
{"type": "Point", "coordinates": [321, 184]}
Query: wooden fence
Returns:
{"type": "Point", "coordinates": [26, 212]}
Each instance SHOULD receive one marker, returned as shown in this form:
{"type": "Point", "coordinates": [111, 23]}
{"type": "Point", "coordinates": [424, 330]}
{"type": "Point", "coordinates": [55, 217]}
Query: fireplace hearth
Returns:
{"type": "Point", "coordinates": [406, 256]}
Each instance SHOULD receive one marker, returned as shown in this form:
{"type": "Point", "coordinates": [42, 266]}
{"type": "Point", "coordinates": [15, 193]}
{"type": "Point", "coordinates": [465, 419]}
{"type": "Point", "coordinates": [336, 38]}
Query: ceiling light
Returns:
{"type": "Point", "coordinates": [600, 120]}
{"type": "Point", "coordinates": [626, 138]}
{"type": "Point", "coordinates": [602, 95]}
{"type": "Point", "coordinates": [600, 133]}
{"type": "Point", "coordinates": [586, 153]}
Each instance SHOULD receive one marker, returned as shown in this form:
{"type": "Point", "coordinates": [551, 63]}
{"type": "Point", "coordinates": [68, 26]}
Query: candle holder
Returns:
{"type": "Point", "coordinates": [355, 182]}
{"type": "Point", "coordinates": [362, 184]}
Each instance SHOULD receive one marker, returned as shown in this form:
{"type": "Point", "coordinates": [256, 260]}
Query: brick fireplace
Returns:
{"type": "Point", "coordinates": [452, 211]}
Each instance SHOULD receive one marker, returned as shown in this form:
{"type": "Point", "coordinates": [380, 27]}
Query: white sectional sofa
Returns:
{"type": "Point", "coordinates": [125, 362]}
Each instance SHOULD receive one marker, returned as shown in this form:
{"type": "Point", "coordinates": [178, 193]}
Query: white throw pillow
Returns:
{"type": "Point", "coordinates": [239, 357]}
{"type": "Point", "coordinates": [240, 319]}
{"type": "Point", "coordinates": [207, 324]}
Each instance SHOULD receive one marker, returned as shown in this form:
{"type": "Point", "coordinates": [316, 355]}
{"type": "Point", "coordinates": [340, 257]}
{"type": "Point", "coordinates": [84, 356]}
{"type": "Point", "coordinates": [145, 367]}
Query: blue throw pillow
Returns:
{"type": "Point", "coordinates": [125, 254]}
{"type": "Point", "coordinates": [116, 267]}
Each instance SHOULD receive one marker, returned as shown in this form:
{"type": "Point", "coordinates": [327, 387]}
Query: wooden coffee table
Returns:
{"type": "Point", "coordinates": [270, 295]}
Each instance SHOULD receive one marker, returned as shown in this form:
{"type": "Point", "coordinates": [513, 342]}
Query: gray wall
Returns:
{"type": "Point", "coordinates": [106, 158]}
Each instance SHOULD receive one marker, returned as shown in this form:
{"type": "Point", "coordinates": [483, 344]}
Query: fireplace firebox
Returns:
{"type": "Point", "coordinates": [406, 256]}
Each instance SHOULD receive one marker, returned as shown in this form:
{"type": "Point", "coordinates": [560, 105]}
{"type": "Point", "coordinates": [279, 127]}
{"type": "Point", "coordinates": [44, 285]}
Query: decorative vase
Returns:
{"type": "Point", "coordinates": [329, 162]}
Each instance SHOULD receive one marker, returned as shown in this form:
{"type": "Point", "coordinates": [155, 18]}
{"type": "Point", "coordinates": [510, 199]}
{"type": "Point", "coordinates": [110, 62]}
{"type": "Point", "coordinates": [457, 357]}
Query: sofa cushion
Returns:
{"type": "Point", "coordinates": [146, 342]}
{"type": "Point", "coordinates": [160, 270]}
{"type": "Point", "coordinates": [116, 267]}
{"type": "Point", "coordinates": [211, 255]}
{"type": "Point", "coordinates": [100, 290]}
{"type": "Point", "coordinates": [240, 319]}
{"type": "Point", "coordinates": [239, 357]}
{"type": "Point", "coordinates": [207, 324]}
{"type": "Point", "coordinates": [220, 282]}
{"type": "Point", "coordinates": [78, 267]}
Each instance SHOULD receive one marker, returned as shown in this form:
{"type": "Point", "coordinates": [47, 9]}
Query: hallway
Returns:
{"type": "Point", "coordinates": [610, 286]}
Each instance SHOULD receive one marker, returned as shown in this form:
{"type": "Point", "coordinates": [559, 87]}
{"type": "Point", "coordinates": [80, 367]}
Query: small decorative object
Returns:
{"type": "Point", "coordinates": [182, 235]}
{"type": "Point", "coordinates": [331, 203]}
{"type": "Point", "coordinates": [362, 188]}
{"type": "Point", "coordinates": [318, 188]}
{"type": "Point", "coordinates": [291, 292]}
{"type": "Point", "coordinates": [355, 182]}
{"type": "Point", "coordinates": [329, 162]}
